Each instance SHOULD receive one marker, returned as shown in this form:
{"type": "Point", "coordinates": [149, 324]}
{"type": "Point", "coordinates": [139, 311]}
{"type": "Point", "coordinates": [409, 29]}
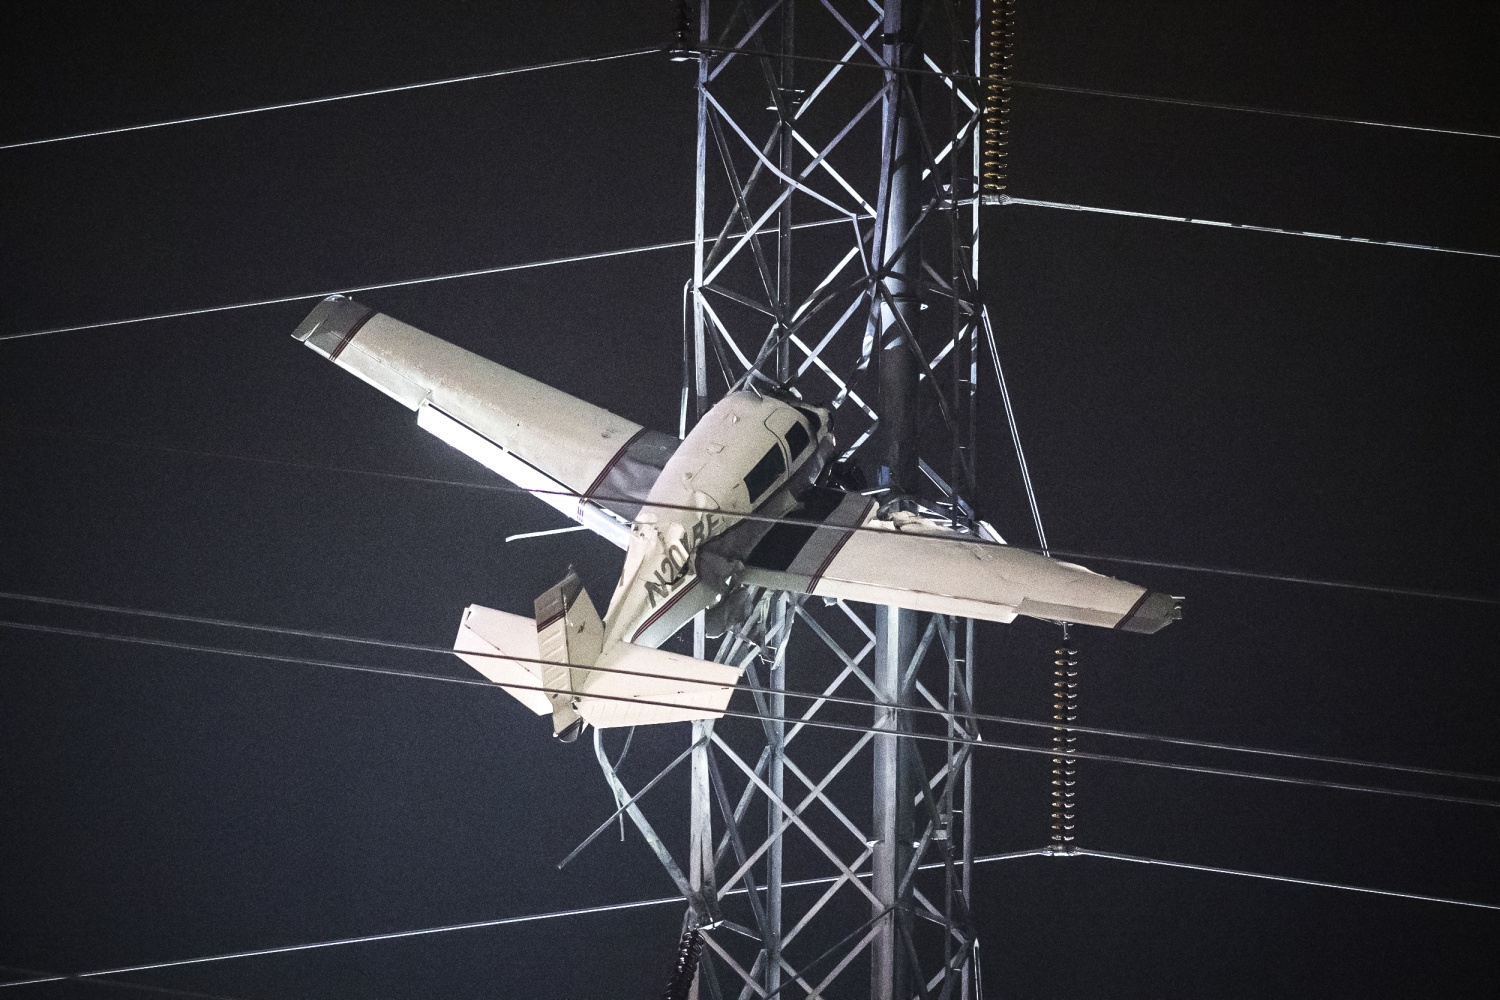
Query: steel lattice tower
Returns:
{"type": "Point", "coordinates": [836, 256]}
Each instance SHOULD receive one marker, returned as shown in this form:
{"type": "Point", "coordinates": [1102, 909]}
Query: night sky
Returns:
{"type": "Point", "coordinates": [1186, 394]}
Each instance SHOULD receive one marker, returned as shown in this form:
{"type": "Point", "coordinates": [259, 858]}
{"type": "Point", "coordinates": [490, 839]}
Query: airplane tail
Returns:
{"type": "Point", "coordinates": [560, 664]}
{"type": "Point", "coordinates": [569, 638]}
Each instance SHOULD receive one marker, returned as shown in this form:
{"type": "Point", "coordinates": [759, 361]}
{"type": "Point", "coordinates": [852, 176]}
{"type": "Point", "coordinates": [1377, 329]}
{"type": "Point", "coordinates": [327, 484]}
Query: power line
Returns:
{"type": "Point", "coordinates": [669, 900]}
{"type": "Point", "coordinates": [673, 244]}
{"type": "Point", "coordinates": [286, 105]}
{"type": "Point", "coordinates": [1092, 91]}
{"type": "Point", "coordinates": [1436, 595]}
{"type": "Point", "coordinates": [582, 911]}
{"type": "Point", "coordinates": [631, 53]}
{"type": "Point", "coordinates": [309, 296]}
{"type": "Point", "coordinates": [1372, 588]}
{"type": "Point", "coordinates": [600, 255]}
{"type": "Point", "coordinates": [124, 984]}
{"type": "Point", "coordinates": [809, 695]}
{"type": "Point", "coordinates": [1110, 855]}
{"type": "Point", "coordinates": [1246, 108]}
{"type": "Point", "coordinates": [1006, 199]}
{"type": "Point", "coordinates": [470, 926]}
{"type": "Point", "coordinates": [753, 716]}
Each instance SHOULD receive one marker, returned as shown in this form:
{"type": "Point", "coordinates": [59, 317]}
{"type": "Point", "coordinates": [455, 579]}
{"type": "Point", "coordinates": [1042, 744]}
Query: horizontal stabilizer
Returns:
{"type": "Point", "coordinates": [628, 685]}
{"type": "Point", "coordinates": [494, 635]}
{"type": "Point", "coordinates": [640, 686]}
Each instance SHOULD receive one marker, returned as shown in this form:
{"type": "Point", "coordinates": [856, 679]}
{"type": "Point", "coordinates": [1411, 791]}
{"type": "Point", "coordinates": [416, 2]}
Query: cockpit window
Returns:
{"type": "Point", "coordinates": [813, 420]}
{"type": "Point", "coordinates": [796, 440]}
{"type": "Point", "coordinates": [766, 472]}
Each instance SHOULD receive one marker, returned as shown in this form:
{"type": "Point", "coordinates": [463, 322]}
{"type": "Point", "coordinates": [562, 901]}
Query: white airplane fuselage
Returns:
{"type": "Point", "coordinates": [739, 459]}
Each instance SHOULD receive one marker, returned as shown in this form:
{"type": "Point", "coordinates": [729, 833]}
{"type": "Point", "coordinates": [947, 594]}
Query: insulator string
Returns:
{"type": "Point", "coordinates": [1064, 764]}
{"type": "Point", "coordinates": [999, 49]}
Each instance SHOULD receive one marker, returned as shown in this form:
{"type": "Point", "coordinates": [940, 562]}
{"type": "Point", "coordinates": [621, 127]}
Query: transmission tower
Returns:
{"type": "Point", "coordinates": [839, 166]}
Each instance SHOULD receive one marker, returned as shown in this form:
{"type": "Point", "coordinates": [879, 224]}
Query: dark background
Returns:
{"type": "Point", "coordinates": [1186, 394]}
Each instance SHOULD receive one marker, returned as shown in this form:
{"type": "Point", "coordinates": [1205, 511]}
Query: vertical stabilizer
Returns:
{"type": "Point", "coordinates": [569, 636]}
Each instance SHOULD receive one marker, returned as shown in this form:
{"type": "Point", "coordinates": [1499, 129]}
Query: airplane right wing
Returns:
{"type": "Point", "coordinates": [540, 438]}
{"type": "Point", "coordinates": [832, 545]}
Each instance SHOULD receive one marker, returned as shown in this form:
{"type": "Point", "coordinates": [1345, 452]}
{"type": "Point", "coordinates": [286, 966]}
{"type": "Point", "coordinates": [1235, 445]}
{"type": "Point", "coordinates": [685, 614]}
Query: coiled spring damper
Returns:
{"type": "Point", "coordinates": [1064, 767]}
{"type": "Point", "coordinates": [689, 950]}
{"type": "Point", "coordinates": [999, 47]}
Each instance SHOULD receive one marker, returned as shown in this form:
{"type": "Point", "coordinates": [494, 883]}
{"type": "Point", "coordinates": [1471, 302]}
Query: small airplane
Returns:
{"type": "Point", "coordinates": [678, 508]}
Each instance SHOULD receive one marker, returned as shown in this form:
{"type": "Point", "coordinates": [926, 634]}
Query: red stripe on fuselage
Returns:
{"type": "Point", "coordinates": [663, 609]}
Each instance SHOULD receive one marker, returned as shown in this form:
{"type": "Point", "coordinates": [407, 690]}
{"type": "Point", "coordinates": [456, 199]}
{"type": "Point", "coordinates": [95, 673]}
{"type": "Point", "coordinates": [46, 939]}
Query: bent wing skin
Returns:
{"type": "Point", "coordinates": [924, 566]}
{"type": "Point", "coordinates": [540, 438]}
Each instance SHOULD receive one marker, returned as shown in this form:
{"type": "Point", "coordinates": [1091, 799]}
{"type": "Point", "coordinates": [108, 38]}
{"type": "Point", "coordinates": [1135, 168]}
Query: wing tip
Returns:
{"type": "Point", "coordinates": [1152, 613]}
{"type": "Point", "coordinates": [332, 324]}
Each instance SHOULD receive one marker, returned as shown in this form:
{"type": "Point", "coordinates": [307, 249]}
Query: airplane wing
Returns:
{"type": "Point", "coordinates": [541, 439]}
{"type": "Point", "coordinates": [832, 545]}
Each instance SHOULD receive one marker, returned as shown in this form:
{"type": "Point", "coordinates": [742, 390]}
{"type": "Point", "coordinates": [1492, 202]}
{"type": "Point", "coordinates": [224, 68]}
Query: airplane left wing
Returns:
{"type": "Point", "coordinates": [832, 545]}
{"type": "Point", "coordinates": [538, 437]}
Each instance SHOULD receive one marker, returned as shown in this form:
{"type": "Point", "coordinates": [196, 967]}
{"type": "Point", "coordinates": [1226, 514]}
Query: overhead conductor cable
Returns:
{"type": "Point", "coordinates": [677, 900]}
{"type": "Point", "coordinates": [681, 51]}
{"type": "Point", "coordinates": [806, 720]}
{"type": "Point", "coordinates": [1071, 207]}
{"type": "Point", "coordinates": [859, 702]}
{"type": "Point", "coordinates": [673, 244]}
{"type": "Point", "coordinates": [379, 286]}
{"type": "Point", "coordinates": [500, 487]}
{"type": "Point", "coordinates": [310, 101]}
